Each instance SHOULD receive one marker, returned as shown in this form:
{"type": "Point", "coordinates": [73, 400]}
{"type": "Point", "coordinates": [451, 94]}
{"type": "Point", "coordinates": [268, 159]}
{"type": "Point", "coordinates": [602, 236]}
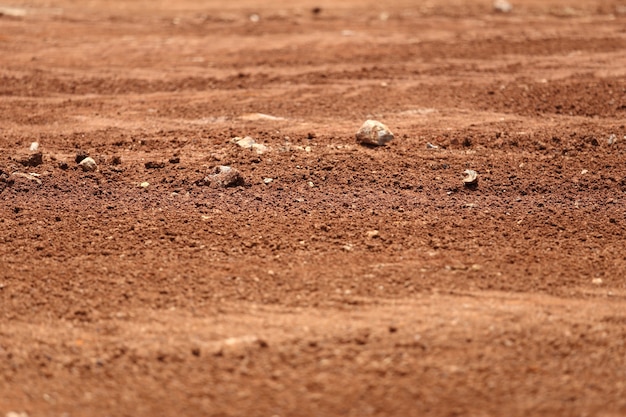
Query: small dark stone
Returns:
{"type": "Point", "coordinates": [63, 165]}
{"type": "Point", "coordinates": [33, 160]}
{"type": "Point", "coordinates": [80, 155]}
{"type": "Point", "coordinates": [154, 165]}
{"type": "Point", "coordinates": [116, 160]}
{"type": "Point", "coordinates": [174, 160]}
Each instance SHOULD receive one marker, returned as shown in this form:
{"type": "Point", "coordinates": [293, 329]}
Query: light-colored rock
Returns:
{"type": "Point", "coordinates": [34, 146]}
{"type": "Point", "coordinates": [374, 133]}
{"type": "Point", "coordinates": [502, 6]}
{"type": "Point", "coordinates": [259, 148]}
{"type": "Point", "coordinates": [249, 143]}
{"type": "Point", "coordinates": [12, 11]}
{"type": "Point", "coordinates": [260, 116]}
{"type": "Point", "coordinates": [144, 184]}
{"type": "Point", "coordinates": [471, 178]}
{"type": "Point", "coordinates": [431, 146]}
{"type": "Point", "coordinates": [88, 164]}
{"type": "Point", "coordinates": [223, 176]}
{"type": "Point", "coordinates": [245, 142]}
{"type": "Point", "coordinates": [373, 234]}
{"type": "Point", "coordinates": [17, 176]}
{"type": "Point", "coordinates": [611, 140]}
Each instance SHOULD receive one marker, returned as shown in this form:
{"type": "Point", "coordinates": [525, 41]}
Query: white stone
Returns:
{"type": "Point", "coordinates": [34, 146]}
{"type": "Point", "coordinates": [12, 11]}
{"type": "Point", "coordinates": [245, 142]}
{"type": "Point", "coordinates": [471, 178]}
{"type": "Point", "coordinates": [374, 133]}
{"type": "Point", "coordinates": [502, 6]}
{"type": "Point", "coordinates": [88, 165]}
{"type": "Point", "coordinates": [259, 148]}
{"type": "Point", "coordinates": [223, 176]}
{"type": "Point", "coordinates": [372, 234]}
{"type": "Point", "coordinates": [260, 116]}
{"type": "Point", "coordinates": [16, 414]}
{"type": "Point", "coordinates": [30, 177]}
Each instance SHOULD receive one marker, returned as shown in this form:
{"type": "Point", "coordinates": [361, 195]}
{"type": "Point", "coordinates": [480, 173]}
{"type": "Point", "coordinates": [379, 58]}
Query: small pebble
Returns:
{"type": "Point", "coordinates": [502, 6]}
{"type": "Point", "coordinates": [32, 160]}
{"type": "Point", "coordinates": [154, 165]}
{"type": "Point", "coordinates": [471, 178]}
{"type": "Point", "coordinates": [431, 146]}
{"type": "Point", "coordinates": [245, 142]}
{"type": "Point", "coordinates": [223, 176]}
{"type": "Point", "coordinates": [34, 146]}
{"type": "Point", "coordinates": [249, 143]}
{"type": "Point", "coordinates": [80, 155]}
{"type": "Point", "coordinates": [373, 234]}
{"type": "Point", "coordinates": [259, 148]}
{"type": "Point", "coordinates": [21, 177]}
{"type": "Point", "coordinates": [374, 133]}
{"type": "Point", "coordinates": [88, 165]}
{"type": "Point", "coordinates": [144, 184]}
{"type": "Point", "coordinates": [597, 281]}
{"type": "Point", "coordinates": [268, 180]}
{"type": "Point", "coordinates": [16, 414]}
{"type": "Point", "coordinates": [611, 140]}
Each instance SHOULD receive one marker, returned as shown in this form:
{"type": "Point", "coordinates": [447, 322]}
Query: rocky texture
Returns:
{"type": "Point", "coordinates": [280, 298]}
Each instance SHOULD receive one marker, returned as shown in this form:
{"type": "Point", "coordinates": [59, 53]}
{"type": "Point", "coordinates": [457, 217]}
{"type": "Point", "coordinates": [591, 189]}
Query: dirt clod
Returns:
{"type": "Point", "coordinates": [154, 165]}
{"type": "Point", "coordinates": [80, 155]}
{"type": "Point", "coordinates": [32, 160]}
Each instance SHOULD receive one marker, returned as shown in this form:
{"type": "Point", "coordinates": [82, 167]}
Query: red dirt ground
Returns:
{"type": "Point", "coordinates": [360, 281]}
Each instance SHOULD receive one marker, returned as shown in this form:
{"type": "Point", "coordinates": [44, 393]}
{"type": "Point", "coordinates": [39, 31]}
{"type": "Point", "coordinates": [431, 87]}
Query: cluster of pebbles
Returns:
{"type": "Point", "coordinates": [372, 134]}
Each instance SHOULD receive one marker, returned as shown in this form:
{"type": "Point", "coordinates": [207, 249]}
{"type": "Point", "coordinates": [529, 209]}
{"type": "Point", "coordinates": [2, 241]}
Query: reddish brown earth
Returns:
{"type": "Point", "coordinates": [360, 281]}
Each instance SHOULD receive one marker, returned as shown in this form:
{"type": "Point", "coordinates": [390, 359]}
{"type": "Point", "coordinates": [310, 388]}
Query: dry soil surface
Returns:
{"type": "Point", "coordinates": [335, 279]}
